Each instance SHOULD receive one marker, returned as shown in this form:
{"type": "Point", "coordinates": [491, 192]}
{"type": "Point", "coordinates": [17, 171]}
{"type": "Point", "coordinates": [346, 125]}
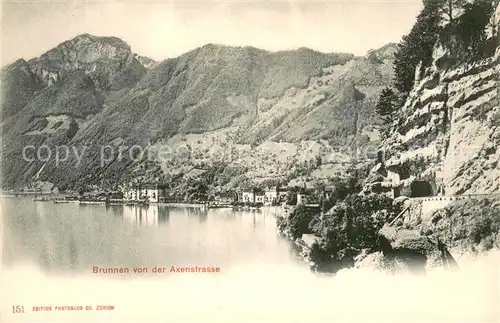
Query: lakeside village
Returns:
{"type": "Point", "coordinates": [146, 194]}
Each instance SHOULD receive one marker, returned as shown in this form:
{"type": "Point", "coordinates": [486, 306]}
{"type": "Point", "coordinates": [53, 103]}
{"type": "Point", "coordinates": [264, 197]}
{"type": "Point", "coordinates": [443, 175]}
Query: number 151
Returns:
{"type": "Point", "coordinates": [18, 309]}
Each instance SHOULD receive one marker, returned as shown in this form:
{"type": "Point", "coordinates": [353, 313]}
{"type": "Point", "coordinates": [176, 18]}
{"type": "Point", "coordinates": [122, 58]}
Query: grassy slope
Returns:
{"type": "Point", "coordinates": [211, 89]}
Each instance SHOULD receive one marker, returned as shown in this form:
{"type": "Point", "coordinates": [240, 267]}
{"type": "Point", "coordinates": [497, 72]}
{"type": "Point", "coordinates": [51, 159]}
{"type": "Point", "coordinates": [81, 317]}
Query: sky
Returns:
{"type": "Point", "coordinates": [167, 29]}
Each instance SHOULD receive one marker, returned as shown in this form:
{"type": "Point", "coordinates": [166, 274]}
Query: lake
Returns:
{"type": "Point", "coordinates": [50, 251]}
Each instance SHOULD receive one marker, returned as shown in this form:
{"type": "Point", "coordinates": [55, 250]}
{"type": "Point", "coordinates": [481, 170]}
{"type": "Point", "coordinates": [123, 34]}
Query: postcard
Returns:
{"type": "Point", "coordinates": [250, 161]}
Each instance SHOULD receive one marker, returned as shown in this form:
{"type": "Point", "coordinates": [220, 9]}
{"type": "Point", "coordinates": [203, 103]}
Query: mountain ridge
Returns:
{"type": "Point", "coordinates": [104, 93]}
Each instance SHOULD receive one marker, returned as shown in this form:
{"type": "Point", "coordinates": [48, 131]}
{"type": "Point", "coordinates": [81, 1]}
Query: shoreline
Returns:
{"type": "Point", "coordinates": [60, 198]}
{"type": "Point", "coordinates": [303, 249]}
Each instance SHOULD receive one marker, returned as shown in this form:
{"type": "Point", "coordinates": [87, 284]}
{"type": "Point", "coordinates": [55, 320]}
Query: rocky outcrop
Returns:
{"type": "Point", "coordinates": [146, 61]}
{"type": "Point", "coordinates": [444, 147]}
{"type": "Point", "coordinates": [465, 228]}
{"type": "Point", "coordinates": [418, 252]}
{"type": "Point", "coordinates": [19, 85]}
{"type": "Point", "coordinates": [108, 61]}
{"type": "Point", "coordinates": [449, 133]}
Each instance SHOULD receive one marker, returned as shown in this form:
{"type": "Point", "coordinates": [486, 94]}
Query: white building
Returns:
{"type": "Point", "coordinates": [302, 199]}
{"type": "Point", "coordinates": [128, 194]}
{"type": "Point", "coordinates": [248, 197]}
{"type": "Point", "coordinates": [148, 193]}
{"type": "Point", "coordinates": [224, 199]}
{"type": "Point", "coordinates": [153, 195]}
{"type": "Point", "coordinates": [270, 195]}
{"type": "Point", "coordinates": [133, 194]}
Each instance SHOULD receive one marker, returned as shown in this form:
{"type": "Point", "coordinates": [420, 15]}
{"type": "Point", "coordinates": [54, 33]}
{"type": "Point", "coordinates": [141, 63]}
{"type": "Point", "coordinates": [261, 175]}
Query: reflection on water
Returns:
{"type": "Point", "coordinates": [141, 215]}
{"type": "Point", "coordinates": [49, 249]}
{"type": "Point", "coordinates": [68, 237]}
{"type": "Point", "coordinates": [156, 215]}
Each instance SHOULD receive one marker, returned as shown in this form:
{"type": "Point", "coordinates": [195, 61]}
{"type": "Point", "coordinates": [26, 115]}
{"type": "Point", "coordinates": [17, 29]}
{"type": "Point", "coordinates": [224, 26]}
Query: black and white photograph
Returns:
{"type": "Point", "coordinates": [250, 161]}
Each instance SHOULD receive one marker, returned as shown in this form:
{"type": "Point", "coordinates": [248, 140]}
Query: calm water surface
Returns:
{"type": "Point", "coordinates": [68, 238]}
{"type": "Point", "coordinates": [48, 251]}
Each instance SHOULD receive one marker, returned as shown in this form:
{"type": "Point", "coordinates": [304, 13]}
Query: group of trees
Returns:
{"type": "Point", "coordinates": [343, 188]}
{"type": "Point", "coordinates": [352, 225]}
{"type": "Point", "coordinates": [348, 222]}
{"type": "Point", "coordinates": [299, 221]}
{"type": "Point", "coordinates": [459, 25]}
{"type": "Point", "coordinates": [470, 29]}
{"type": "Point", "coordinates": [417, 46]}
{"type": "Point", "coordinates": [387, 107]}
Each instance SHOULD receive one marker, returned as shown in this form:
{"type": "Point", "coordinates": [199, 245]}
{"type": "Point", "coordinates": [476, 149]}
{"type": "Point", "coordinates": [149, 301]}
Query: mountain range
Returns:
{"type": "Point", "coordinates": [296, 115]}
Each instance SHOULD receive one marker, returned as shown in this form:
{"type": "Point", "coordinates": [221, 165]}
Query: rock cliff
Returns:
{"type": "Point", "coordinates": [441, 147]}
{"type": "Point", "coordinates": [449, 136]}
{"type": "Point", "coordinates": [444, 146]}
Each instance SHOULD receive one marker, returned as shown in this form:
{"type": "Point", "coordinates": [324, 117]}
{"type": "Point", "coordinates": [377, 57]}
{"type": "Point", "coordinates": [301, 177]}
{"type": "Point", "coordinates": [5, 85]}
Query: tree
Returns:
{"type": "Point", "coordinates": [493, 20]}
{"type": "Point", "coordinates": [449, 8]}
{"type": "Point", "coordinates": [386, 105]}
{"type": "Point", "coordinates": [417, 46]}
{"type": "Point", "coordinates": [291, 198]}
{"type": "Point", "coordinates": [352, 226]}
{"type": "Point", "coordinates": [319, 161]}
{"type": "Point", "coordinates": [298, 222]}
{"type": "Point", "coordinates": [471, 27]}
{"type": "Point", "coordinates": [464, 35]}
{"type": "Point", "coordinates": [357, 174]}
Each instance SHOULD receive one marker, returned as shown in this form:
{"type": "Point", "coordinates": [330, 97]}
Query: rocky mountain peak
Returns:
{"type": "Point", "coordinates": [385, 52]}
{"type": "Point", "coordinates": [20, 65]}
{"type": "Point", "coordinates": [86, 48]}
{"type": "Point", "coordinates": [105, 40]}
{"type": "Point", "coordinates": [104, 59]}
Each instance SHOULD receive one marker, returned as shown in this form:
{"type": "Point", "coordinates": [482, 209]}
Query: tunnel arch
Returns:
{"type": "Point", "coordinates": [421, 189]}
